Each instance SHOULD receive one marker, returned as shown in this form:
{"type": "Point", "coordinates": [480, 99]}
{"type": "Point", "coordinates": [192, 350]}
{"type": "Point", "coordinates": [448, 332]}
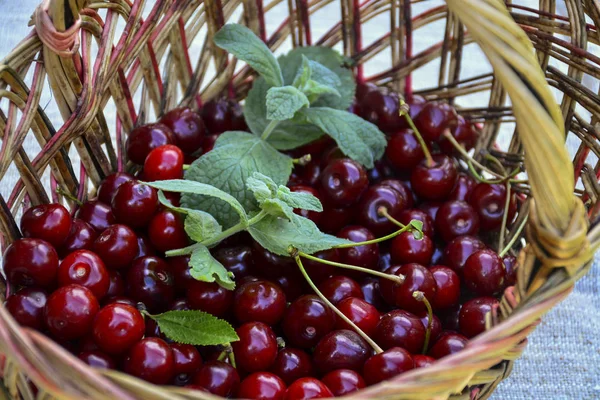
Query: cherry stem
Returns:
{"type": "Point", "coordinates": [232, 359]}
{"type": "Point", "coordinates": [269, 129]}
{"type": "Point", "coordinates": [378, 240]}
{"type": "Point", "coordinates": [302, 161]}
{"type": "Point", "coordinates": [420, 296]}
{"type": "Point", "coordinates": [404, 108]}
{"type": "Point", "coordinates": [340, 314]}
{"type": "Point", "coordinates": [186, 167]}
{"type": "Point", "coordinates": [223, 355]}
{"type": "Point", "coordinates": [470, 159]}
{"type": "Point", "coordinates": [515, 237]}
{"type": "Point", "coordinates": [504, 216]}
{"type": "Point", "coordinates": [68, 195]}
{"type": "Point", "coordinates": [399, 279]}
{"type": "Point", "coordinates": [384, 213]}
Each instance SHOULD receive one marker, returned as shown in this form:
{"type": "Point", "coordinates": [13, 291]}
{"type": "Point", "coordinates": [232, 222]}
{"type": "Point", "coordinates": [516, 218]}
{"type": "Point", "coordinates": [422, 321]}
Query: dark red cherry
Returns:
{"type": "Point", "coordinates": [363, 314]}
{"type": "Point", "coordinates": [236, 116]}
{"type": "Point", "coordinates": [319, 271]}
{"type": "Point", "coordinates": [339, 287]}
{"type": "Point", "coordinates": [120, 300]}
{"type": "Point", "coordinates": [463, 188]}
{"type": "Point", "coordinates": [209, 143]}
{"type": "Point", "coordinates": [372, 292]}
{"type": "Point", "coordinates": [405, 248]}
{"type": "Point", "coordinates": [314, 216]}
{"type": "Point", "coordinates": [180, 305]}
{"type": "Point", "coordinates": [381, 171]}
{"type": "Point", "coordinates": [333, 219]}
{"type": "Point", "coordinates": [70, 311]}
{"type": "Point", "coordinates": [110, 184]}
{"type": "Point", "coordinates": [271, 265]}
{"type": "Point", "coordinates": [215, 116]}
{"type": "Point", "coordinates": [366, 256]}
{"type": "Point", "coordinates": [422, 361]}
{"type": "Point", "coordinates": [187, 127]}
{"type": "Point", "coordinates": [219, 378]}
{"type": "Point", "coordinates": [413, 214]}
{"type": "Point", "coordinates": [417, 278]}
{"type": "Point", "coordinates": [49, 222]}
{"type": "Point", "coordinates": [97, 214]}
{"type": "Point", "coordinates": [180, 269]}
{"type": "Point", "coordinates": [464, 133]}
{"type": "Point", "coordinates": [134, 204]}
{"type": "Point", "coordinates": [456, 218]}
{"type": "Point", "coordinates": [484, 273]}
{"type": "Point", "coordinates": [306, 321]}
{"type": "Point", "coordinates": [433, 119]}
{"type": "Point", "coordinates": [331, 154]}
{"type": "Point", "coordinates": [415, 104]}
{"type": "Point", "coordinates": [186, 362]}
{"type": "Point", "coordinates": [343, 381]}
{"type": "Point", "coordinates": [30, 262]}
{"type": "Point", "coordinates": [510, 265]}
{"type": "Point", "coordinates": [434, 182]}
{"type": "Point", "coordinates": [262, 386]}
{"type": "Point", "coordinates": [116, 284]}
{"type": "Point", "coordinates": [447, 284]}
{"type": "Point", "coordinates": [363, 88]}
{"type": "Point", "coordinates": [401, 187]}
{"type": "Point", "coordinates": [143, 139]}
{"type": "Point", "coordinates": [257, 348]}
{"type": "Point", "coordinates": [117, 246]}
{"type": "Point", "coordinates": [399, 328]}
{"type": "Point", "coordinates": [237, 260]}
{"type": "Point", "coordinates": [167, 232]}
{"type": "Point", "coordinates": [144, 247]}
{"type": "Point", "coordinates": [310, 173]}
{"type": "Point", "coordinates": [149, 281]}
{"type": "Point", "coordinates": [164, 162]}
{"type": "Point", "coordinates": [342, 182]}
{"type": "Point", "coordinates": [375, 198]}
{"type": "Point", "coordinates": [341, 349]}
{"type": "Point", "coordinates": [459, 250]}
{"type": "Point", "coordinates": [403, 150]}
{"type": "Point", "coordinates": [117, 327]}
{"type": "Point", "coordinates": [307, 388]}
{"type": "Point", "coordinates": [448, 343]}
{"type": "Point", "coordinates": [261, 301]}
{"type": "Point", "coordinates": [471, 319]}
{"type": "Point", "coordinates": [386, 365]}
{"type": "Point", "coordinates": [489, 201]}
{"type": "Point", "coordinates": [291, 364]}
{"type": "Point", "coordinates": [150, 359]}
{"type": "Point", "coordinates": [430, 208]}
{"type": "Point", "coordinates": [97, 359]}
{"type": "Point", "coordinates": [382, 109]}
{"type": "Point", "coordinates": [436, 325]}
{"type": "Point", "coordinates": [209, 297]}
{"type": "Point", "coordinates": [449, 318]}
{"type": "Point", "coordinates": [27, 307]}
{"type": "Point", "coordinates": [81, 237]}
{"type": "Point", "coordinates": [86, 269]}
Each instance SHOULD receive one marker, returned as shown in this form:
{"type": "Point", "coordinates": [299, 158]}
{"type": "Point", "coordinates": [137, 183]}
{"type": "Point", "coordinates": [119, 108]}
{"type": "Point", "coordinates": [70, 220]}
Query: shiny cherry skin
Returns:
{"type": "Point", "coordinates": [27, 307]}
{"type": "Point", "coordinates": [49, 222]}
{"type": "Point", "coordinates": [86, 269]}
{"type": "Point", "coordinates": [366, 256]}
{"type": "Point", "coordinates": [97, 214]}
{"type": "Point", "coordinates": [81, 237]}
{"type": "Point", "coordinates": [400, 328]}
{"type": "Point", "coordinates": [459, 250]}
{"type": "Point", "coordinates": [236, 116]}
{"type": "Point", "coordinates": [456, 218]}
{"type": "Point", "coordinates": [414, 214]}
{"type": "Point", "coordinates": [291, 364]}
{"type": "Point", "coordinates": [30, 262]}
{"type": "Point", "coordinates": [209, 143]}
{"type": "Point", "coordinates": [237, 260]}
{"type": "Point", "coordinates": [180, 305]}
{"type": "Point", "coordinates": [120, 300]}
{"type": "Point", "coordinates": [448, 343]}
{"type": "Point", "coordinates": [331, 154]}
{"type": "Point", "coordinates": [386, 365]}
{"type": "Point", "coordinates": [306, 321]}
{"type": "Point", "coordinates": [149, 280]}
{"type": "Point", "coordinates": [97, 359]}
{"type": "Point", "coordinates": [471, 319]}
{"type": "Point", "coordinates": [186, 362]}
{"type": "Point", "coordinates": [381, 171]}
{"type": "Point", "coordinates": [484, 273]}
{"type": "Point", "coordinates": [464, 133]}
{"type": "Point", "coordinates": [150, 359]}
{"type": "Point", "coordinates": [309, 174]}
{"type": "Point", "coordinates": [417, 278]}
{"type": "Point", "coordinates": [436, 325]}
{"type": "Point", "coordinates": [307, 388]}
{"type": "Point", "coordinates": [422, 361]}
{"type": "Point", "coordinates": [110, 184]}
{"type": "Point", "coordinates": [343, 381]}
{"type": "Point", "coordinates": [261, 301]}
{"type": "Point", "coordinates": [144, 247]}
{"type": "Point", "coordinates": [363, 314]}
{"type": "Point", "coordinates": [116, 284]}
{"type": "Point", "coordinates": [134, 204]}
{"type": "Point", "coordinates": [430, 208]}
{"type": "Point", "coordinates": [382, 108]}
{"type": "Point", "coordinates": [318, 271]}
{"type": "Point", "coordinates": [163, 163]}
{"type": "Point", "coordinates": [180, 269]}
{"type": "Point", "coordinates": [401, 187]}
{"type": "Point", "coordinates": [333, 219]}
{"type": "Point", "coordinates": [117, 327]}
{"type": "Point", "coordinates": [214, 114]}
{"type": "Point", "coordinates": [433, 119]}
{"type": "Point", "coordinates": [257, 348]}
{"type": "Point", "coordinates": [434, 182]}
{"type": "Point", "coordinates": [341, 349]}
{"type": "Point", "coordinates": [343, 182]}
{"type": "Point", "coordinates": [374, 198]}
{"type": "Point", "coordinates": [218, 378]}
{"type": "Point", "coordinates": [187, 127]}
{"type": "Point", "coordinates": [314, 216]}
{"type": "Point", "coordinates": [510, 265]}
{"type": "Point", "coordinates": [209, 297]}
{"type": "Point", "coordinates": [405, 248]}
{"type": "Point", "coordinates": [372, 292]}
{"type": "Point", "coordinates": [415, 104]}
{"type": "Point", "coordinates": [270, 265]}
{"type": "Point", "coordinates": [403, 151]}
{"type": "Point", "coordinates": [143, 139]}
{"type": "Point", "coordinates": [464, 187]}
{"type": "Point", "coordinates": [447, 287]}
{"type": "Point", "coordinates": [117, 246]}
{"type": "Point", "coordinates": [262, 386]}
{"type": "Point", "coordinates": [489, 201]}
{"type": "Point", "coordinates": [70, 312]}
{"type": "Point", "coordinates": [339, 287]}
{"type": "Point", "coordinates": [167, 232]}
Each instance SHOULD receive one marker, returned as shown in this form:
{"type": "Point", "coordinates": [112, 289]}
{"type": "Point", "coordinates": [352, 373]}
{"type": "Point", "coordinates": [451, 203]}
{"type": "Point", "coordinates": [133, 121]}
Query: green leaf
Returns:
{"type": "Point", "coordinates": [195, 327]}
{"type": "Point", "coordinates": [195, 187]}
{"type": "Point", "coordinates": [303, 75]}
{"type": "Point", "coordinates": [246, 46]}
{"type": "Point", "coordinates": [314, 90]}
{"type": "Point", "coordinates": [283, 102]}
{"type": "Point", "coordinates": [201, 226]}
{"type": "Point", "coordinates": [278, 234]}
{"type": "Point", "coordinates": [417, 229]}
{"type": "Point", "coordinates": [206, 268]}
{"type": "Point", "coordinates": [235, 157]}
{"type": "Point", "coordinates": [358, 139]}
{"type": "Point", "coordinates": [304, 201]}
{"type": "Point", "coordinates": [278, 208]}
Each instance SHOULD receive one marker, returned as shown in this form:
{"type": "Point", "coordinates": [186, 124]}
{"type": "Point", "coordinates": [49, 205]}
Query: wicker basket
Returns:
{"type": "Point", "coordinates": [98, 54]}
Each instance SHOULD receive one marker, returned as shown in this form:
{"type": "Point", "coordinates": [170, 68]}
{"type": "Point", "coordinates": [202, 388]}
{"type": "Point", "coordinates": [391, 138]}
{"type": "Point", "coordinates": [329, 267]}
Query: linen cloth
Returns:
{"type": "Point", "coordinates": [562, 360]}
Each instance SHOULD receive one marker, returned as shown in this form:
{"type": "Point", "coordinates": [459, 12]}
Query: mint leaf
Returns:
{"type": "Point", "coordinates": [201, 226]}
{"type": "Point", "coordinates": [278, 208]}
{"type": "Point", "coordinates": [358, 139]}
{"type": "Point", "coordinates": [205, 268]}
{"type": "Point", "coordinates": [277, 234]}
{"type": "Point", "coordinates": [283, 102]}
{"type": "Point", "coordinates": [263, 189]}
{"type": "Point", "coordinates": [313, 90]}
{"type": "Point", "coordinates": [246, 46]}
{"type": "Point", "coordinates": [235, 157]}
{"type": "Point", "coordinates": [195, 327]}
{"type": "Point", "coordinates": [304, 201]}
{"type": "Point", "coordinates": [303, 75]}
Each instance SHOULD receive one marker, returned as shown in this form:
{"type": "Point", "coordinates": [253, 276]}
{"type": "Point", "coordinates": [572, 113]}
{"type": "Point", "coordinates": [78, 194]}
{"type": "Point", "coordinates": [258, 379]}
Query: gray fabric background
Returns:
{"type": "Point", "coordinates": [562, 360]}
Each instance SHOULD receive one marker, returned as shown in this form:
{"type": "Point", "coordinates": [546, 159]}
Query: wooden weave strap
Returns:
{"type": "Point", "coordinates": [66, 43]}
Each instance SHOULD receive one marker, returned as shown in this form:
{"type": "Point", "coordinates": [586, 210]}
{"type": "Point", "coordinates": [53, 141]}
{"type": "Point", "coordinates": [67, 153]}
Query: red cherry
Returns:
{"type": "Point", "coordinates": [291, 364]}
{"type": "Point", "coordinates": [314, 216]}
{"type": "Point", "coordinates": [309, 174]}
{"type": "Point", "coordinates": [464, 133]}
{"type": "Point", "coordinates": [341, 349]}
{"type": "Point", "coordinates": [334, 219]}
{"type": "Point", "coordinates": [143, 139]}
{"type": "Point", "coordinates": [401, 187]}
{"type": "Point", "coordinates": [338, 288]}
{"type": "Point", "coordinates": [150, 359]}
{"type": "Point", "coordinates": [489, 201]}
{"type": "Point", "coordinates": [180, 269]}
{"type": "Point", "coordinates": [117, 246]}
{"type": "Point", "coordinates": [117, 327]}
{"type": "Point", "coordinates": [386, 365]}
{"type": "Point", "coordinates": [434, 182]}
{"type": "Point", "coordinates": [381, 171]}
{"type": "Point", "coordinates": [511, 265]}
{"type": "Point", "coordinates": [408, 215]}
{"type": "Point", "coordinates": [30, 262]}
{"type": "Point", "coordinates": [86, 269]}
{"type": "Point", "coordinates": [210, 298]}
{"type": "Point", "coordinates": [262, 386]}
{"type": "Point", "coordinates": [366, 256]}
{"type": "Point", "coordinates": [417, 278]}
{"type": "Point", "coordinates": [403, 150]}
{"type": "Point", "coordinates": [422, 361]}
{"type": "Point", "coordinates": [459, 250]}
{"type": "Point", "coordinates": [399, 328]}
{"type": "Point", "coordinates": [81, 237]}
{"type": "Point", "coordinates": [163, 163]}
{"type": "Point", "coordinates": [187, 127]}
{"type": "Point", "coordinates": [167, 232]}
{"type": "Point", "coordinates": [318, 271]}
{"type": "Point", "coordinates": [214, 114]}
{"type": "Point", "coordinates": [343, 381]}
{"type": "Point", "coordinates": [27, 307]}
{"type": "Point", "coordinates": [433, 119]}
{"type": "Point", "coordinates": [257, 348]}
{"type": "Point", "coordinates": [149, 281]}
{"type": "Point", "coordinates": [70, 311]}
{"type": "Point", "coordinates": [209, 143]}
{"type": "Point", "coordinates": [372, 293]}
{"type": "Point", "coordinates": [449, 318]}
{"type": "Point", "coordinates": [144, 247]}
{"type": "Point", "coordinates": [218, 378]}
{"type": "Point", "coordinates": [415, 104]}
{"type": "Point", "coordinates": [456, 218]}
{"type": "Point", "coordinates": [436, 325]}
{"type": "Point", "coordinates": [484, 273]}
{"type": "Point", "coordinates": [49, 222]}
{"type": "Point", "coordinates": [430, 208]}
{"type": "Point", "coordinates": [186, 362]}
{"type": "Point", "coordinates": [448, 343]}
{"type": "Point", "coordinates": [260, 301]}
{"type": "Point", "coordinates": [382, 109]}
{"type": "Point", "coordinates": [134, 204]}
{"type": "Point", "coordinates": [110, 184]}
{"type": "Point", "coordinates": [471, 318]}
{"type": "Point", "coordinates": [306, 321]}
{"type": "Point", "coordinates": [271, 265]}
{"type": "Point", "coordinates": [97, 359]}
{"type": "Point", "coordinates": [447, 284]}
{"type": "Point", "coordinates": [343, 181]}
{"type": "Point", "coordinates": [97, 214]}
{"type": "Point", "coordinates": [237, 260]}
{"type": "Point", "coordinates": [464, 187]}
{"type": "Point", "coordinates": [405, 248]}
{"type": "Point", "coordinates": [307, 388]}
{"type": "Point", "coordinates": [363, 314]}
{"type": "Point", "coordinates": [116, 285]}
{"type": "Point", "coordinates": [375, 198]}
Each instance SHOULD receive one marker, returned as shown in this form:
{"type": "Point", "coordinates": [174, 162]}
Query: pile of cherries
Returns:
{"type": "Point", "coordinates": [82, 279]}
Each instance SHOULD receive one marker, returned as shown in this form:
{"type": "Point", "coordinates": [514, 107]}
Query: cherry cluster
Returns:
{"type": "Point", "coordinates": [88, 280]}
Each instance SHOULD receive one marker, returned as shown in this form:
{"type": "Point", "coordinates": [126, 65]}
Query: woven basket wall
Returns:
{"type": "Point", "coordinates": [107, 66]}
